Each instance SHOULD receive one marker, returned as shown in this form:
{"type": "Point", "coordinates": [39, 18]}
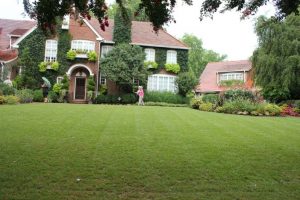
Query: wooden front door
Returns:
{"type": "Point", "coordinates": [80, 88]}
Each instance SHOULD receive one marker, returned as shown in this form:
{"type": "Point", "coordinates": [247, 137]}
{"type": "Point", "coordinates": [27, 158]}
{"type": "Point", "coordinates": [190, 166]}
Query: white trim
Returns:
{"type": "Point", "coordinates": [69, 72]}
{"type": "Point", "coordinates": [163, 46]}
{"type": "Point", "coordinates": [16, 44]}
{"type": "Point", "coordinates": [92, 28]}
{"type": "Point", "coordinates": [5, 62]}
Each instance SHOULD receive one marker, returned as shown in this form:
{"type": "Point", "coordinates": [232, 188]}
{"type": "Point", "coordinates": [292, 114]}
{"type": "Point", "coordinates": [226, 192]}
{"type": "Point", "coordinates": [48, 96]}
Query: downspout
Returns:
{"type": "Point", "coordinates": [98, 72]}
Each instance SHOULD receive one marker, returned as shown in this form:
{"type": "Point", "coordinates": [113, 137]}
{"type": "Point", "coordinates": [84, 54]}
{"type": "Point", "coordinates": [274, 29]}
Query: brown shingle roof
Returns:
{"type": "Point", "coordinates": [142, 34]}
{"type": "Point", "coordinates": [10, 26]}
{"type": "Point", "coordinates": [208, 78]}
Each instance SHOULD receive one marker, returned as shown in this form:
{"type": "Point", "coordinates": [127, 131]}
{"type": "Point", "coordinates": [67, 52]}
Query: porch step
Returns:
{"type": "Point", "coordinates": [79, 101]}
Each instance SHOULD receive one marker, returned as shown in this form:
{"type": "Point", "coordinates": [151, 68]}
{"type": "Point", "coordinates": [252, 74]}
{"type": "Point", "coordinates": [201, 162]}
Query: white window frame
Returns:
{"type": "Point", "coordinates": [102, 79]}
{"type": "Point", "coordinates": [171, 57]}
{"type": "Point", "coordinates": [150, 54]}
{"type": "Point", "coordinates": [154, 83]}
{"type": "Point", "coordinates": [232, 76]}
{"type": "Point", "coordinates": [59, 79]}
{"type": "Point", "coordinates": [83, 45]}
{"type": "Point", "coordinates": [50, 51]}
{"type": "Point", "coordinates": [105, 49]}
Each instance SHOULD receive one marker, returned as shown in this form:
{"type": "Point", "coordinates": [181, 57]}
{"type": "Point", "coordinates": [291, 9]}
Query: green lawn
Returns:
{"type": "Point", "coordinates": [131, 152]}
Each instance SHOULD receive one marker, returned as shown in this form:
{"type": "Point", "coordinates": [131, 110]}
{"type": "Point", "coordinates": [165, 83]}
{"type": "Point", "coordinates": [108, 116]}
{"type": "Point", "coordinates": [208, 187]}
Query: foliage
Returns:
{"type": "Point", "coordinates": [123, 64]}
{"type": "Point", "coordinates": [92, 56]}
{"type": "Point", "coordinates": [277, 60]}
{"type": "Point", "coordinates": [160, 57]}
{"type": "Point", "coordinates": [269, 109]}
{"type": "Point", "coordinates": [103, 89]}
{"type": "Point", "coordinates": [209, 107]}
{"type": "Point", "coordinates": [149, 103]}
{"type": "Point", "coordinates": [231, 83]}
{"type": "Point", "coordinates": [71, 54]}
{"type": "Point", "coordinates": [196, 102]}
{"type": "Point", "coordinates": [287, 110]}
{"type": "Point", "coordinates": [108, 99]}
{"type": "Point", "coordinates": [167, 97]}
{"type": "Point", "coordinates": [43, 66]}
{"type": "Point", "coordinates": [198, 57]}
{"type": "Point", "coordinates": [128, 98]}
{"type": "Point", "coordinates": [211, 98]}
{"type": "Point", "coordinates": [25, 95]}
{"type": "Point", "coordinates": [231, 95]}
{"type": "Point", "coordinates": [11, 100]}
{"type": "Point", "coordinates": [122, 26]}
{"type": "Point", "coordinates": [52, 97]}
{"type": "Point", "coordinates": [57, 88]}
{"type": "Point", "coordinates": [91, 84]}
{"type": "Point", "coordinates": [6, 89]}
{"type": "Point", "coordinates": [65, 83]}
{"type": "Point", "coordinates": [2, 99]}
{"type": "Point", "coordinates": [150, 65]}
{"type": "Point", "coordinates": [186, 82]}
{"type": "Point", "coordinates": [182, 59]}
{"type": "Point", "coordinates": [55, 66]}
{"type": "Point", "coordinates": [62, 96]}
{"type": "Point", "coordinates": [175, 68]}
{"type": "Point", "coordinates": [38, 96]}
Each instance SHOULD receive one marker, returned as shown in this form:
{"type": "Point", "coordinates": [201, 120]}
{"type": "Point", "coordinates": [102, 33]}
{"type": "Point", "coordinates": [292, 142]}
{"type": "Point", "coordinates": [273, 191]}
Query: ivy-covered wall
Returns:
{"type": "Point", "coordinates": [161, 58]}
{"type": "Point", "coordinates": [32, 52]}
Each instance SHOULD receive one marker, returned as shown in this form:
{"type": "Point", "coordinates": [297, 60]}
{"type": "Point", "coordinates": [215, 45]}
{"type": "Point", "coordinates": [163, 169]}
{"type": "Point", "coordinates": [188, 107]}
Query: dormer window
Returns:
{"type": "Point", "coordinates": [150, 54]}
{"type": "Point", "coordinates": [83, 46]}
{"type": "Point", "coordinates": [51, 51]}
{"type": "Point", "coordinates": [232, 76]}
{"type": "Point", "coordinates": [171, 57]}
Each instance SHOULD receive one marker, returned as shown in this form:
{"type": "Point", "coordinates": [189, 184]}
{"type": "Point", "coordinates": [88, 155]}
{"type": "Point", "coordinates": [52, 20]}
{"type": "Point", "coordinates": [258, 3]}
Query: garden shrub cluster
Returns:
{"type": "Point", "coordinates": [116, 99]}
{"type": "Point", "coordinates": [149, 103]}
{"type": "Point", "coordinates": [166, 97]}
{"type": "Point", "coordinates": [239, 102]}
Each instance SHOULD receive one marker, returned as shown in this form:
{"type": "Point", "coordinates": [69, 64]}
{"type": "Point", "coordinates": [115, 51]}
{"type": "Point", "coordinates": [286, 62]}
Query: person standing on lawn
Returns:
{"type": "Point", "coordinates": [140, 93]}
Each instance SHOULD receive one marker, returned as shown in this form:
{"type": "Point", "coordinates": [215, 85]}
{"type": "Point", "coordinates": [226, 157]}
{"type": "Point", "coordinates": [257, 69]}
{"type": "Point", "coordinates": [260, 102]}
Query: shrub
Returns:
{"type": "Point", "coordinates": [2, 99]}
{"type": "Point", "coordinates": [269, 109]}
{"type": "Point", "coordinates": [288, 110]}
{"type": "Point", "coordinates": [57, 88]}
{"type": "Point", "coordinates": [164, 104]}
{"type": "Point", "coordinates": [52, 97]}
{"type": "Point", "coordinates": [232, 95]}
{"type": "Point", "coordinates": [71, 54]}
{"type": "Point", "coordinates": [100, 99]}
{"type": "Point", "coordinates": [211, 98]}
{"type": "Point", "coordinates": [128, 98]}
{"type": "Point", "coordinates": [150, 65]}
{"type": "Point", "coordinates": [25, 95]}
{"type": "Point", "coordinates": [91, 84]}
{"type": "Point", "coordinates": [230, 83]}
{"type": "Point", "coordinates": [43, 66]}
{"type": "Point", "coordinates": [11, 100]}
{"type": "Point", "coordinates": [6, 89]}
{"type": "Point", "coordinates": [206, 107]}
{"type": "Point", "coordinates": [186, 81]}
{"type": "Point", "coordinates": [92, 56]}
{"type": "Point", "coordinates": [55, 66]}
{"type": "Point", "coordinates": [38, 96]}
{"type": "Point", "coordinates": [62, 97]}
{"type": "Point", "coordinates": [196, 102]}
{"type": "Point", "coordinates": [175, 68]}
{"type": "Point", "coordinates": [103, 89]}
{"type": "Point", "coordinates": [167, 97]}
{"type": "Point", "coordinates": [65, 83]}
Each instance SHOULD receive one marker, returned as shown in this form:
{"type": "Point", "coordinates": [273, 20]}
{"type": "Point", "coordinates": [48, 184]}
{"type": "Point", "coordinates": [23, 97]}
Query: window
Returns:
{"type": "Point", "coordinates": [51, 50]}
{"type": "Point", "coordinates": [59, 79]}
{"type": "Point", "coordinates": [105, 49]}
{"type": "Point", "coordinates": [231, 76]}
{"type": "Point", "coordinates": [171, 57]}
{"type": "Point", "coordinates": [161, 82]}
{"type": "Point", "coordinates": [102, 79]}
{"type": "Point", "coordinates": [150, 54]}
{"type": "Point", "coordinates": [83, 45]}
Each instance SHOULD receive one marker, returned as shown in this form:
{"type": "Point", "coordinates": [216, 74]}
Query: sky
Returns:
{"type": "Point", "coordinates": [224, 34]}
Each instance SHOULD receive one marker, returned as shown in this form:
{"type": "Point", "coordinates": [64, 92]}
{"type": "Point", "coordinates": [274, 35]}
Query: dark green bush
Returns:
{"type": "Point", "coordinates": [25, 95]}
{"type": "Point", "coordinates": [52, 97]}
{"type": "Point", "coordinates": [38, 96]}
{"type": "Point", "coordinates": [164, 104]}
{"type": "Point", "coordinates": [109, 99]}
{"type": "Point", "coordinates": [211, 98]}
{"type": "Point", "coordinates": [100, 99]}
{"type": "Point", "coordinates": [167, 97]}
{"type": "Point", "coordinates": [2, 99]}
{"type": "Point", "coordinates": [128, 98]}
{"type": "Point", "coordinates": [196, 102]}
{"type": "Point", "coordinates": [209, 107]}
{"type": "Point", "coordinates": [231, 95]}
{"type": "Point", "coordinates": [6, 89]}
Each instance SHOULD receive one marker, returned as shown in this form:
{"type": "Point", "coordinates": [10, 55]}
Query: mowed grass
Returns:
{"type": "Point", "coordinates": [64, 151]}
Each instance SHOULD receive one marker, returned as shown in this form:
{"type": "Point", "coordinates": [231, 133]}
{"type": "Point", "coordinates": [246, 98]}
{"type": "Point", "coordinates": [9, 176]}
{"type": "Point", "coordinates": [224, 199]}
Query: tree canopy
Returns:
{"type": "Point", "coordinates": [277, 60]}
{"type": "Point", "coordinates": [199, 56]}
{"type": "Point", "coordinates": [159, 12]}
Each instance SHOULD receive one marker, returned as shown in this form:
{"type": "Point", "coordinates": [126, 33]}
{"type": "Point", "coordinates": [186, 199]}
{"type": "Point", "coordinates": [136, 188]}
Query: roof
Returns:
{"type": "Point", "coordinates": [208, 78]}
{"type": "Point", "coordinates": [142, 34]}
{"type": "Point", "coordinates": [13, 27]}
{"type": "Point", "coordinates": [8, 55]}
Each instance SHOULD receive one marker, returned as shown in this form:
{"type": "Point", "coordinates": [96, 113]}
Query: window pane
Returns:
{"type": "Point", "coordinates": [50, 50]}
{"type": "Point", "coordinates": [172, 57]}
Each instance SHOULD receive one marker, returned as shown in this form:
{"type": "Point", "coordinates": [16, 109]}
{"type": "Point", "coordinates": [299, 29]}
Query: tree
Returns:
{"type": "Point", "coordinates": [158, 11]}
{"type": "Point", "coordinates": [124, 64]}
{"type": "Point", "coordinates": [186, 81]}
{"type": "Point", "coordinates": [198, 56]}
{"type": "Point", "coordinates": [122, 26]}
{"type": "Point", "coordinates": [133, 7]}
{"type": "Point", "coordinates": [277, 59]}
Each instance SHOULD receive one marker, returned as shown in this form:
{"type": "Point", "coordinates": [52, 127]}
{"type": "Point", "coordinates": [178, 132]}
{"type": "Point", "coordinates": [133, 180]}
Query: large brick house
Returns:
{"type": "Point", "coordinates": [87, 36]}
{"type": "Point", "coordinates": [217, 72]}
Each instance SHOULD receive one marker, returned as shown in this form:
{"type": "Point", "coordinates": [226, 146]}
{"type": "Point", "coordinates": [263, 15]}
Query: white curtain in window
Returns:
{"type": "Point", "coordinates": [161, 82]}
{"type": "Point", "coordinates": [51, 50]}
{"type": "Point", "coordinates": [231, 76]}
{"type": "Point", "coordinates": [83, 45]}
{"type": "Point", "coordinates": [171, 57]}
{"type": "Point", "coordinates": [150, 54]}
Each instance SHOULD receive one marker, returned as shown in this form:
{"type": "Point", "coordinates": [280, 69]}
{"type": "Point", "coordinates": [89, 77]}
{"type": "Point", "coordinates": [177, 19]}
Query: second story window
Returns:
{"type": "Point", "coordinates": [150, 54]}
{"type": "Point", "coordinates": [171, 57]}
{"type": "Point", "coordinates": [51, 50]}
{"type": "Point", "coordinates": [83, 45]}
{"type": "Point", "coordinates": [105, 49]}
{"type": "Point", "coordinates": [231, 76]}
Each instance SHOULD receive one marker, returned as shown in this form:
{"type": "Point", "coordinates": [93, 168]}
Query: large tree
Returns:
{"type": "Point", "coordinates": [277, 60]}
{"type": "Point", "coordinates": [199, 56]}
{"type": "Point", "coordinates": [158, 11]}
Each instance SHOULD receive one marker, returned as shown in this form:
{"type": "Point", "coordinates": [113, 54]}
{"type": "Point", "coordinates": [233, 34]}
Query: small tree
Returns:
{"type": "Point", "coordinates": [186, 81]}
{"type": "Point", "coordinates": [122, 26]}
{"type": "Point", "coordinates": [123, 64]}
